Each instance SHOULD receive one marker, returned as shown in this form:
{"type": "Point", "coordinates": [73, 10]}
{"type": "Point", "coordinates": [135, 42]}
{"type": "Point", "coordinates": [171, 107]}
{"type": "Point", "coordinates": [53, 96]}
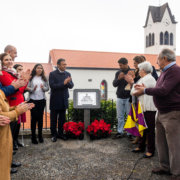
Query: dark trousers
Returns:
{"type": "Point", "coordinates": [17, 132]}
{"type": "Point", "coordinates": [37, 115]}
{"type": "Point", "coordinates": [149, 133]}
{"type": "Point", "coordinates": [61, 120]}
{"type": "Point", "coordinates": [13, 126]}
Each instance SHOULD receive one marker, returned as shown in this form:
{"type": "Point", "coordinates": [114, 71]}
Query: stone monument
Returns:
{"type": "Point", "coordinates": [86, 99]}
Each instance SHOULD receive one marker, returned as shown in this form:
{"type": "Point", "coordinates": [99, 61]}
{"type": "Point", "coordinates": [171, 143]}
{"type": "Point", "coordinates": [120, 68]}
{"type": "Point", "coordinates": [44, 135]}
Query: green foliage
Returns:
{"type": "Point", "coordinates": [106, 112]}
{"type": "Point", "coordinates": [75, 115]}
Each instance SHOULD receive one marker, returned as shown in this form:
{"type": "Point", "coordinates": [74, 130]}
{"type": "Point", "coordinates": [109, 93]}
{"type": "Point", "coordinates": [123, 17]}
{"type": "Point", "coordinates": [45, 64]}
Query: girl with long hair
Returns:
{"type": "Point", "coordinates": [37, 86]}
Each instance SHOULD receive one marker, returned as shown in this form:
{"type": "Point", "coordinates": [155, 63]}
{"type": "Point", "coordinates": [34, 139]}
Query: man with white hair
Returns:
{"type": "Point", "coordinates": [166, 97]}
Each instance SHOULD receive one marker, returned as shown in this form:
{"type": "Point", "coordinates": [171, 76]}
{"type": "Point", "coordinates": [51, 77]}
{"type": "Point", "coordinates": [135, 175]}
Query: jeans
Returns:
{"type": "Point", "coordinates": [122, 106]}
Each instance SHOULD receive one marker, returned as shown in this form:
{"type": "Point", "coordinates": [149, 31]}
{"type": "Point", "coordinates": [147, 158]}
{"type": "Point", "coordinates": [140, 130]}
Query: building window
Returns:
{"type": "Point", "coordinates": [161, 38]}
{"type": "Point", "coordinates": [171, 39]}
{"type": "Point", "coordinates": [153, 39]}
{"type": "Point", "coordinates": [149, 39]}
{"type": "Point", "coordinates": [104, 89]}
{"type": "Point", "coordinates": [166, 38]}
{"type": "Point", "coordinates": [147, 42]}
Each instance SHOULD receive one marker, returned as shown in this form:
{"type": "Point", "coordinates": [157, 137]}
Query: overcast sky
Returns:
{"type": "Point", "coordinates": [37, 26]}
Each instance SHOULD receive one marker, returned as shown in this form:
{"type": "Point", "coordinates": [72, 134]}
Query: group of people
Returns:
{"type": "Point", "coordinates": [159, 98]}
{"type": "Point", "coordinates": [160, 101]}
{"type": "Point", "coordinates": [14, 82]}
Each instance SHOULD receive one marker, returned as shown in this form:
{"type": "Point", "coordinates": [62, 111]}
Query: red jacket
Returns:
{"type": "Point", "coordinates": [16, 98]}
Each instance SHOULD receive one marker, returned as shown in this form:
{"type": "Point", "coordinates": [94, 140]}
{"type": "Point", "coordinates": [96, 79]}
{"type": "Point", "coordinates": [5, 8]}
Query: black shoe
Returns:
{"type": "Point", "coordinates": [15, 146]}
{"type": "Point", "coordinates": [13, 170]}
{"type": "Point", "coordinates": [19, 144]}
{"type": "Point", "coordinates": [130, 137]}
{"type": "Point", "coordinates": [54, 139]}
{"type": "Point", "coordinates": [41, 140]}
{"type": "Point", "coordinates": [146, 156]}
{"type": "Point", "coordinates": [34, 140]}
{"type": "Point", "coordinates": [117, 136]}
{"type": "Point", "coordinates": [14, 152]}
{"type": "Point", "coordinates": [137, 151]}
{"type": "Point", "coordinates": [63, 137]}
{"type": "Point", "coordinates": [14, 164]}
{"type": "Point", "coordinates": [159, 170]}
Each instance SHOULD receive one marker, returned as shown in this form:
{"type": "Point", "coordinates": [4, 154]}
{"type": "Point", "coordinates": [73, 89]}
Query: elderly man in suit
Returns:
{"type": "Point", "coordinates": [166, 97]}
{"type": "Point", "coordinates": [60, 81]}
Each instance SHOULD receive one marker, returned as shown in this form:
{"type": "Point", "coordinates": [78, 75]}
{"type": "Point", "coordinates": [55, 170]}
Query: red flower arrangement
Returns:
{"type": "Point", "coordinates": [99, 128]}
{"type": "Point", "coordinates": [73, 128]}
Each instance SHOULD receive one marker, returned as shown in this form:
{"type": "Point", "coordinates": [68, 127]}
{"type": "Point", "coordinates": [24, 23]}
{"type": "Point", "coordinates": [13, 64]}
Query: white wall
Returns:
{"type": "Point", "coordinates": [157, 28]}
{"type": "Point", "coordinates": [80, 80]}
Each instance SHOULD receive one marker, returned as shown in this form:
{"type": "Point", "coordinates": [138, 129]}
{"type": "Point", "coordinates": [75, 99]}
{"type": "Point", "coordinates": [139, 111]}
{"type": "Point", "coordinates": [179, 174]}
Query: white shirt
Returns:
{"type": "Point", "coordinates": [38, 93]}
{"type": "Point", "coordinates": [61, 71]}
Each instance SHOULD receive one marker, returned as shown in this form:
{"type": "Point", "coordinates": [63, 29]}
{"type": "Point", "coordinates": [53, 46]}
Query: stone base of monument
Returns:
{"type": "Point", "coordinates": [86, 123]}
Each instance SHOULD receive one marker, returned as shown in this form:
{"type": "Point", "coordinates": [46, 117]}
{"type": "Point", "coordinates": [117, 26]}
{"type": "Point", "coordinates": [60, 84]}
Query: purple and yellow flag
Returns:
{"type": "Point", "coordinates": [135, 123]}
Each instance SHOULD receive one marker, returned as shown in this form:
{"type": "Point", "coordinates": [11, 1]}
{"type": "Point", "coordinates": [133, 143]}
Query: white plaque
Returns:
{"type": "Point", "coordinates": [86, 98]}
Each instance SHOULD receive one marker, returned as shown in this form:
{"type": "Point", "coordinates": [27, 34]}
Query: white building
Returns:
{"type": "Point", "coordinates": [94, 70]}
{"type": "Point", "coordinates": [159, 29]}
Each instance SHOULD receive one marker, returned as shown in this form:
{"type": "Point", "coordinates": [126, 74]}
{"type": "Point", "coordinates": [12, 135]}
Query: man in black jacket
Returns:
{"type": "Point", "coordinates": [60, 81]}
{"type": "Point", "coordinates": [122, 104]}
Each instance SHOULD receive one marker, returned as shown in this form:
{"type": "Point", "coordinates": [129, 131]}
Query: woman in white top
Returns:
{"type": "Point", "coordinates": [149, 109]}
{"type": "Point", "coordinates": [38, 85]}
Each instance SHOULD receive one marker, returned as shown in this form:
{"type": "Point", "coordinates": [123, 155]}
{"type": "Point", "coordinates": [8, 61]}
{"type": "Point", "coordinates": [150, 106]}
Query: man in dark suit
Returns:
{"type": "Point", "coordinates": [59, 81]}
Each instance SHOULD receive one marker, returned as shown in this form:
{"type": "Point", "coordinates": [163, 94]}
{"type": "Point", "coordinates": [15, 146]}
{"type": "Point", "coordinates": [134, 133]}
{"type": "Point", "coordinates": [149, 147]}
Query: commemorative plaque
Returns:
{"type": "Point", "coordinates": [86, 99]}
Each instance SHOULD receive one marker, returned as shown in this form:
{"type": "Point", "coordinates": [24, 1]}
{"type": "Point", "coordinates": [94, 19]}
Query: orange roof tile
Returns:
{"type": "Point", "coordinates": [94, 59]}
{"type": "Point", "coordinates": [47, 66]}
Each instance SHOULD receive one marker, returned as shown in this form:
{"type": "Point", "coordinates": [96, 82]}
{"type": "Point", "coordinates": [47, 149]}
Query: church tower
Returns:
{"type": "Point", "coordinates": [159, 29]}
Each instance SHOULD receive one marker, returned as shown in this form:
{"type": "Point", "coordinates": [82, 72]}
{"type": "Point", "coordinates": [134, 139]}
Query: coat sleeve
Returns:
{"type": "Point", "coordinates": [149, 82]}
{"type": "Point", "coordinates": [54, 85]}
{"type": "Point", "coordinates": [12, 115]}
{"type": "Point", "coordinates": [166, 87]}
{"type": "Point", "coordinates": [70, 85]}
{"type": "Point", "coordinates": [5, 80]}
{"type": "Point", "coordinates": [8, 90]}
{"type": "Point", "coordinates": [12, 108]}
{"type": "Point", "coordinates": [116, 81]}
{"type": "Point", "coordinates": [31, 89]}
{"type": "Point", "coordinates": [46, 87]}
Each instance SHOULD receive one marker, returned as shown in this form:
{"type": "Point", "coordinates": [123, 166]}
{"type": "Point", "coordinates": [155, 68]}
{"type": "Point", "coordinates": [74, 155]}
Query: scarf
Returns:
{"type": "Point", "coordinates": [12, 71]}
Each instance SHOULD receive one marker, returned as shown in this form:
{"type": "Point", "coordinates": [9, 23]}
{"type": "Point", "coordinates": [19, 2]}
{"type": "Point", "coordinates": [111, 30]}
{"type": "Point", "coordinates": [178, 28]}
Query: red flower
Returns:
{"type": "Point", "coordinates": [74, 128]}
{"type": "Point", "coordinates": [98, 128]}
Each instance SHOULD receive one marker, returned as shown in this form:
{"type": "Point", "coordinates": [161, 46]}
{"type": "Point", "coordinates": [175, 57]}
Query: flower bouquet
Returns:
{"type": "Point", "coordinates": [98, 129]}
{"type": "Point", "coordinates": [74, 130]}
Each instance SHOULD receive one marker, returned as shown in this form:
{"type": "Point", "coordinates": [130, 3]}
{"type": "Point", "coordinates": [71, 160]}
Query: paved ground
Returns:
{"type": "Point", "coordinates": [104, 159]}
